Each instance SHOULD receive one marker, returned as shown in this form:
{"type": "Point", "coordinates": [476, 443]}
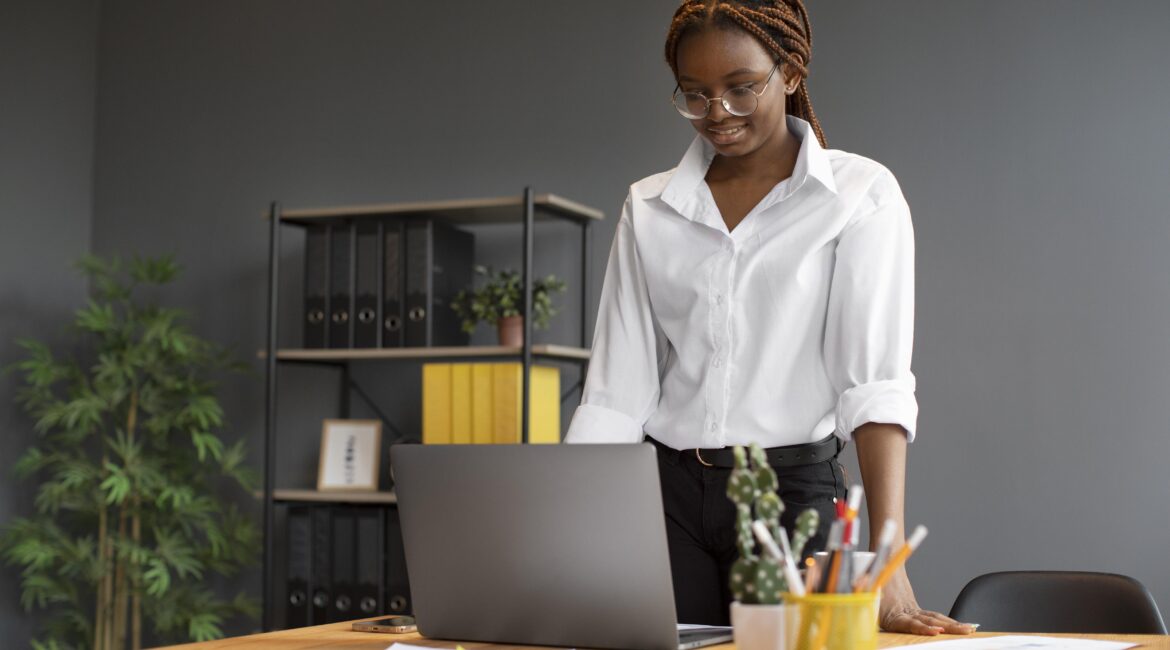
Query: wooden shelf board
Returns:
{"type": "Point", "coordinates": [507, 209]}
{"type": "Point", "coordinates": [358, 354]}
{"type": "Point", "coordinates": [316, 496]}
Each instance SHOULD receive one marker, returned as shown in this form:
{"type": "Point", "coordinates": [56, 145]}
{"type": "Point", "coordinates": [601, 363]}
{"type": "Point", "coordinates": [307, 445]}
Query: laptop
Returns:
{"type": "Point", "coordinates": [555, 545]}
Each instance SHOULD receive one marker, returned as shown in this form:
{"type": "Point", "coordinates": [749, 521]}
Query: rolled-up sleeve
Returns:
{"type": "Point", "coordinates": [622, 386]}
{"type": "Point", "coordinates": [869, 328]}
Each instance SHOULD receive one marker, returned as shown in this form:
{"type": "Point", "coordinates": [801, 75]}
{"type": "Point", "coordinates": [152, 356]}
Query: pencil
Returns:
{"type": "Point", "coordinates": [899, 558]}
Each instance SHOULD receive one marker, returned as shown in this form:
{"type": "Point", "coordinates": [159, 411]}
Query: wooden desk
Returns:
{"type": "Point", "coordinates": [340, 636]}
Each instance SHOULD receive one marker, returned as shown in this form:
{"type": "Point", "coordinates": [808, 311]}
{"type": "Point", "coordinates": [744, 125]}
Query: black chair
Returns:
{"type": "Point", "coordinates": [1072, 602]}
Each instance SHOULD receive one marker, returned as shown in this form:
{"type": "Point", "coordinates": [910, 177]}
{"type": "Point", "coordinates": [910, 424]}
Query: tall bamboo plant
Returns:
{"type": "Point", "coordinates": [128, 526]}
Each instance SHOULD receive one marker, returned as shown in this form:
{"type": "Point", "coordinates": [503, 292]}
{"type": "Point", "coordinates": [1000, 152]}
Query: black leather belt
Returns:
{"type": "Point", "coordinates": [808, 453]}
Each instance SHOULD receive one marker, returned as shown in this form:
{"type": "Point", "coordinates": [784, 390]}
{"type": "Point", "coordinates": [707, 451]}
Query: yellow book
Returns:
{"type": "Point", "coordinates": [461, 403]}
{"type": "Point", "coordinates": [481, 403]}
{"type": "Point", "coordinates": [544, 408]}
{"type": "Point", "coordinates": [505, 403]}
{"type": "Point", "coordinates": [436, 397]}
{"type": "Point", "coordinates": [544, 412]}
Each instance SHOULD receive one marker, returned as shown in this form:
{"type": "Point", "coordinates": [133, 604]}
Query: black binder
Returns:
{"type": "Point", "coordinates": [316, 285]}
{"type": "Point", "coordinates": [367, 278]}
{"type": "Point", "coordinates": [370, 525]}
{"type": "Point", "coordinates": [439, 262]}
{"type": "Point", "coordinates": [300, 566]}
{"type": "Point", "coordinates": [397, 598]}
{"type": "Point", "coordinates": [341, 272]}
{"type": "Point", "coordinates": [341, 607]}
{"type": "Point", "coordinates": [393, 287]}
{"type": "Point", "coordinates": [322, 576]}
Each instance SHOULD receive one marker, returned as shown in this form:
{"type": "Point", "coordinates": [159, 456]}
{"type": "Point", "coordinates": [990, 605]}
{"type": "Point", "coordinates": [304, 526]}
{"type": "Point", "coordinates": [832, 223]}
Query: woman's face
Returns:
{"type": "Point", "coordinates": [714, 60]}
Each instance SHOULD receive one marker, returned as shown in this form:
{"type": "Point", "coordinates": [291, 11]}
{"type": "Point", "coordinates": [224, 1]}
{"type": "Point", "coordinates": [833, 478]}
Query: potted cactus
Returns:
{"type": "Point", "coordinates": [757, 580]}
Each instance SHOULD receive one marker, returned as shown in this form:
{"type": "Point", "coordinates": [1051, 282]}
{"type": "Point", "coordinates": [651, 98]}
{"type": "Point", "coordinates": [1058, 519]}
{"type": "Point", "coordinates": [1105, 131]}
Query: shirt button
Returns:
{"type": "Point", "coordinates": [719, 299]}
{"type": "Point", "coordinates": [713, 427]}
{"type": "Point", "coordinates": [717, 362]}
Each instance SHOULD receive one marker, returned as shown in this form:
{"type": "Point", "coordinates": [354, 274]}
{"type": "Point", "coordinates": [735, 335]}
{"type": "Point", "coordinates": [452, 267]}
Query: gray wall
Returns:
{"type": "Point", "coordinates": [1024, 137]}
{"type": "Point", "coordinates": [47, 77]}
{"type": "Point", "coordinates": [1030, 141]}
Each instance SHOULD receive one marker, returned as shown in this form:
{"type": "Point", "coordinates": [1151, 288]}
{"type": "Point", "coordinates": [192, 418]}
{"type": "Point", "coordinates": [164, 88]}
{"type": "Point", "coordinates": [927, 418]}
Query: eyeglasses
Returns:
{"type": "Point", "coordinates": [741, 101]}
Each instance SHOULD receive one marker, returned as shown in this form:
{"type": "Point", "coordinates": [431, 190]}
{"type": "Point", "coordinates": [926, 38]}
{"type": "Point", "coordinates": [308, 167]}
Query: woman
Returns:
{"type": "Point", "coordinates": [761, 291]}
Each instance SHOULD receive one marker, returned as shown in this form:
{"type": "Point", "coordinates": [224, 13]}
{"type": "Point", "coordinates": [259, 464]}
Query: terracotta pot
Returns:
{"type": "Point", "coordinates": [511, 330]}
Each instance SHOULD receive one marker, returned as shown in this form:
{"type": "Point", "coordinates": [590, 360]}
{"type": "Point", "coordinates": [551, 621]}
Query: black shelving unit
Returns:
{"type": "Point", "coordinates": [526, 210]}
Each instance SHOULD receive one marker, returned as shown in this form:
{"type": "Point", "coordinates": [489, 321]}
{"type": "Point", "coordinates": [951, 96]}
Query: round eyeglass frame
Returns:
{"type": "Point", "coordinates": [743, 91]}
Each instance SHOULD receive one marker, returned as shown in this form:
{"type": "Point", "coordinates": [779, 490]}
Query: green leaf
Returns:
{"type": "Point", "coordinates": [33, 554]}
{"type": "Point", "coordinates": [97, 318]}
{"type": "Point", "coordinates": [32, 460]}
{"type": "Point", "coordinates": [116, 486]}
{"type": "Point", "coordinates": [246, 605]}
{"type": "Point", "coordinates": [157, 578]}
{"type": "Point", "coordinates": [205, 626]}
{"type": "Point", "coordinates": [160, 270]}
{"type": "Point", "coordinates": [178, 496]}
{"type": "Point", "coordinates": [207, 443]}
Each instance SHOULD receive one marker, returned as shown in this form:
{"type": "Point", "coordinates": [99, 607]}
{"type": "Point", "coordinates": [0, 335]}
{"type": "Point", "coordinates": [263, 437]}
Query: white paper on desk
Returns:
{"type": "Point", "coordinates": [1018, 642]}
{"type": "Point", "coordinates": [407, 646]}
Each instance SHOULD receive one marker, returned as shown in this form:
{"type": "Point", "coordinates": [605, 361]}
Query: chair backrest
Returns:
{"type": "Point", "coordinates": [1072, 602]}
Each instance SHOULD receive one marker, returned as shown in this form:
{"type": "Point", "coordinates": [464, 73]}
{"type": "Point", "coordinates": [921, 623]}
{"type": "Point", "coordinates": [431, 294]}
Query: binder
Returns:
{"type": "Point", "coordinates": [393, 284]}
{"type": "Point", "coordinates": [544, 407]}
{"type": "Point", "coordinates": [322, 573]}
{"type": "Point", "coordinates": [344, 573]}
{"type": "Point", "coordinates": [461, 403]}
{"type": "Point", "coordinates": [397, 583]}
{"type": "Point", "coordinates": [436, 395]}
{"type": "Point", "coordinates": [341, 249]}
{"type": "Point", "coordinates": [439, 263]}
{"type": "Point", "coordinates": [316, 285]}
{"type": "Point", "coordinates": [300, 564]}
{"type": "Point", "coordinates": [481, 403]}
{"type": "Point", "coordinates": [370, 529]}
{"type": "Point", "coordinates": [367, 280]}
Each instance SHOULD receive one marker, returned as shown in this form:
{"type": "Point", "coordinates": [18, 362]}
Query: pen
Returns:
{"type": "Point", "coordinates": [790, 564]}
{"type": "Point", "coordinates": [791, 576]}
{"type": "Point", "coordinates": [881, 555]}
{"type": "Point", "coordinates": [849, 559]}
{"type": "Point", "coordinates": [855, 494]}
{"type": "Point", "coordinates": [900, 557]}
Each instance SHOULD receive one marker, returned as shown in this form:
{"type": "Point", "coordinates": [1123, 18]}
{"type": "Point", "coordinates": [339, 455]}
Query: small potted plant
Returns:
{"type": "Point", "coordinates": [500, 301]}
{"type": "Point", "coordinates": [757, 580]}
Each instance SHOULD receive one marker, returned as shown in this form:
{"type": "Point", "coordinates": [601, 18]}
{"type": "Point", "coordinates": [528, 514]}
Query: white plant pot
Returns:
{"type": "Point", "coordinates": [759, 627]}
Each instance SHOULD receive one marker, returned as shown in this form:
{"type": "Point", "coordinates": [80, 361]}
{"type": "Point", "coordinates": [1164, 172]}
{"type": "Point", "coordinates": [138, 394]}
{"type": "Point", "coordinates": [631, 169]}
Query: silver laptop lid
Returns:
{"type": "Point", "coordinates": [537, 544]}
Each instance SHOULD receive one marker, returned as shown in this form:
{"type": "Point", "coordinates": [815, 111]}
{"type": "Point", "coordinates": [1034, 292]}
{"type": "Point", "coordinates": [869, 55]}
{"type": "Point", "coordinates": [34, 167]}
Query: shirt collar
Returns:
{"type": "Point", "coordinates": [680, 192]}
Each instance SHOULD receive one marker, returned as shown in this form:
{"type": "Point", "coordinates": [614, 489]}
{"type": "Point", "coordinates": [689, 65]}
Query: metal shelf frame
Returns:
{"type": "Point", "coordinates": [524, 209]}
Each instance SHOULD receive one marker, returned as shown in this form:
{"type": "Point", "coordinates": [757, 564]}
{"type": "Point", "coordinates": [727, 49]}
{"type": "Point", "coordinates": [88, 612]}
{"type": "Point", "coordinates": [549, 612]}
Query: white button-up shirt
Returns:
{"type": "Point", "coordinates": [797, 324]}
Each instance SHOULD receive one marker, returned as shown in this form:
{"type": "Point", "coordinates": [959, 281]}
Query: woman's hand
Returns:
{"type": "Point", "coordinates": [881, 455]}
{"type": "Point", "coordinates": [900, 613]}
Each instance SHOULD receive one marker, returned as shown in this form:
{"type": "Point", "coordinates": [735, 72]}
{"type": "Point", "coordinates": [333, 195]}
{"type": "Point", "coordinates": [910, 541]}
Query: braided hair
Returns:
{"type": "Point", "coordinates": [781, 26]}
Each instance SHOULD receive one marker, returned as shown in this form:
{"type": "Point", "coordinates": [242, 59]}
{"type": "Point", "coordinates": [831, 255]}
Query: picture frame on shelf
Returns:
{"type": "Point", "coordinates": [350, 454]}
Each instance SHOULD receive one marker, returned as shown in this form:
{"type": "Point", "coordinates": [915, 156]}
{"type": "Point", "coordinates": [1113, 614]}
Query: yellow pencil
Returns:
{"type": "Point", "coordinates": [899, 558]}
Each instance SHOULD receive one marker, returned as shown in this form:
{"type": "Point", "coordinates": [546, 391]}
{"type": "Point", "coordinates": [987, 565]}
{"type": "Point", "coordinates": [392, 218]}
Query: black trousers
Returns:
{"type": "Point", "coordinates": [700, 526]}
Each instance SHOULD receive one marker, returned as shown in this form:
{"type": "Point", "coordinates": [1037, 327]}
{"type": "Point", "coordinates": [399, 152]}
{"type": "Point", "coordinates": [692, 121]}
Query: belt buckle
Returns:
{"type": "Point", "coordinates": [701, 461]}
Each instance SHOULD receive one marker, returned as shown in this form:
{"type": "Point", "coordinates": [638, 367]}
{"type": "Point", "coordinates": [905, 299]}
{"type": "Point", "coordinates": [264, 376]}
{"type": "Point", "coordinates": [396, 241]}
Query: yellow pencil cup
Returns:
{"type": "Point", "coordinates": [833, 621]}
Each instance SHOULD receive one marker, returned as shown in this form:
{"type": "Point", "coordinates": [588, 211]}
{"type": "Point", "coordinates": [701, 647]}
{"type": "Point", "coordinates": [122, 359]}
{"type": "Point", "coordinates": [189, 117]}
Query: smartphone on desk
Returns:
{"type": "Point", "coordinates": [392, 625]}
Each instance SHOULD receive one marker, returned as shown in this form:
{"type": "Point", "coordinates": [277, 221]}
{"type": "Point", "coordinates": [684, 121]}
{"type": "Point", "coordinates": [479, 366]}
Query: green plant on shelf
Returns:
{"type": "Point", "coordinates": [128, 524]}
{"type": "Point", "coordinates": [502, 296]}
